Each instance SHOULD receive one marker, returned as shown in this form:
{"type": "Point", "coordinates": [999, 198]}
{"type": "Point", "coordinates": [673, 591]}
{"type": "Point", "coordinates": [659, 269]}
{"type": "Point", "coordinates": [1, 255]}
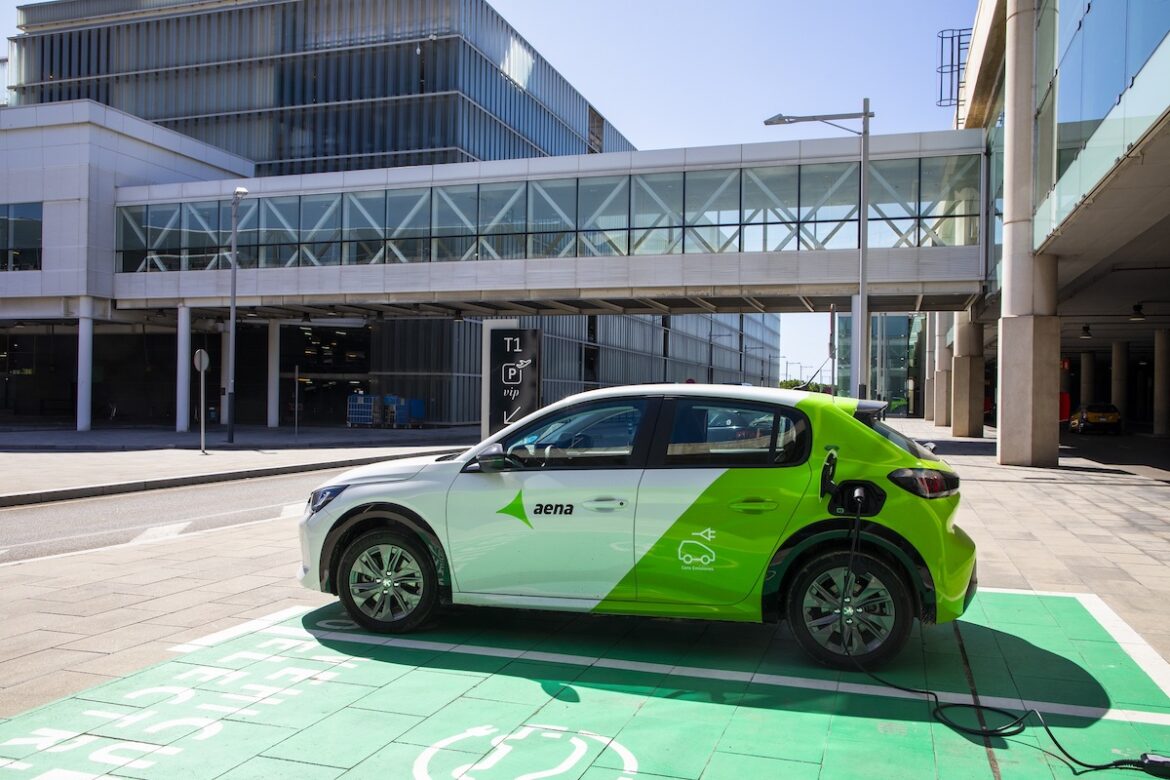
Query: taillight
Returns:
{"type": "Point", "coordinates": [928, 483]}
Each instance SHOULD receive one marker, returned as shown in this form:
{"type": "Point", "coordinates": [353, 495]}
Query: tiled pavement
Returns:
{"type": "Point", "coordinates": [81, 623]}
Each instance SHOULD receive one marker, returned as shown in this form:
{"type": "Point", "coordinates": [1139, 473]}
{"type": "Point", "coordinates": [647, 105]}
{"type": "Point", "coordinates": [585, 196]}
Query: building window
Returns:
{"type": "Point", "coordinates": [20, 237]}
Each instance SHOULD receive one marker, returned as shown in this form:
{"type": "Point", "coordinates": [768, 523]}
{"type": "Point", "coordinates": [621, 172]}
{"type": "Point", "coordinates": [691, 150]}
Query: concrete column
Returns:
{"type": "Point", "coordinates": [84, 363]}
{"type": "Point", "coordinates": [928, 368]}
{"type": "Point", "coordinates": [1162, 382]}
{"type": "Point", "coordinates": [967, 403]}
{"type": "Point", "coordinates": [942, 371]}
{"type": "Point", "coordinates": [223, 374]}
{"type": "Point", "coordinates": [273, 374]}
{"type": "Point", "coordinates": [183, 371]}
{"type": "Point", "coordinates": [1119, 384]}
{"type": "Point", "coordinates": [1029, 331]}
{"type": "Point", "coordinates": [1088, 377]}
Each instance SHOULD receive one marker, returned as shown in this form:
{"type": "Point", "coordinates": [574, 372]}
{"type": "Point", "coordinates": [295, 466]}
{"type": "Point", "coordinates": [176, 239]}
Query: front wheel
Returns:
{"type": "Point", "coordinates": [387, 582]}
{"type": "Point", "coordinates": [842, 619]}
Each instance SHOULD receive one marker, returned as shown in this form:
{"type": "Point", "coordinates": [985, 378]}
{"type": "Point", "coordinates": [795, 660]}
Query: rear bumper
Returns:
{"type": "Point", "coordinates": [972, 587]}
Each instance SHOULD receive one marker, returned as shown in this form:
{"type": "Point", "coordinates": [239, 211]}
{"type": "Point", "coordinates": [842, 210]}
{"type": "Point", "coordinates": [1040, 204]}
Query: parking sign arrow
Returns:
{"type": "Point", "coordinates": [510, 417]}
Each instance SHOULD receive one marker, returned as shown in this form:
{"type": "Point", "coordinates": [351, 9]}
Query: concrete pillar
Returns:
{"type": "Point", "coordinates": [273, 374]}
{"type": "Point", "coordinates": [928, 368]}
{"type": "Point", "coordinates": [1088, 377]}
{"type": "Point", "coordinates": [942, 371]}
{"type": "Point", "coordinates": [183, 366]}
{"type": "Point", "coordinates": [1119, 383]}
{"type": "Point", "coordinates": [1162, 382]}
{"type": "Point", "coordinates": [1029, 331]}
{"type": "Point", "coordinates": [84, 363]}
{"type": "Point", "coordinates": [223, 374]}
{"type": "Point", "coordinates": [967, 378]}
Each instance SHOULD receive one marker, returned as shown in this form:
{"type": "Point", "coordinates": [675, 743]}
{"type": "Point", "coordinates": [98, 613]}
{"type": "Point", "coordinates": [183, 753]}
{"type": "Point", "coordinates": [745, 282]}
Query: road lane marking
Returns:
{"type": "Point", "coordinates": [293, 510]}
{"type": "Point", "coordinates": [159, 532]}
{"type": "Point", "coordinates": [147, 526]}
{"type": "Point", "coordinates": [127, 544]}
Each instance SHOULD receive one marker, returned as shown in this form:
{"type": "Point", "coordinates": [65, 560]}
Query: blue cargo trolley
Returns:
{"type": "Point", "coordinates": [363, 410]}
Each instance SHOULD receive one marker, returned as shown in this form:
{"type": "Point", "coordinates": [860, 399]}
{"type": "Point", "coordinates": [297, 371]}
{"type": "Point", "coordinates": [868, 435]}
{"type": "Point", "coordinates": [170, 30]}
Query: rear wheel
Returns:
{"type": "Point", "coordinates": [387, 581]}
{"type": "Point", "coordinates": [840, 618]}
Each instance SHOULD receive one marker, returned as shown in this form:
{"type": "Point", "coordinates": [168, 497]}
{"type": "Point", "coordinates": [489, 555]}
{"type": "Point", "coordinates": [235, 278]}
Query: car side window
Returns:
{"type": "Point", "coordinates": [714, 434]}
{"type": "Point", "coordinates": [599, 435]}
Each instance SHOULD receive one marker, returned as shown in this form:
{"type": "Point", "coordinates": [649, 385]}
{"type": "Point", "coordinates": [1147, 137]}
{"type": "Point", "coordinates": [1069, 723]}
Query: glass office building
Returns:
{"type": "Point", "coordinates": [314, 85]}
{"type": "Point", "coordinates": [896, 360]}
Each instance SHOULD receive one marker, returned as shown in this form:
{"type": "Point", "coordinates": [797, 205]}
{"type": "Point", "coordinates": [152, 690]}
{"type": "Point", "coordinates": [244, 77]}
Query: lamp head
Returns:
{"type": "Point", "coordinates": [779, 119]}
{"type": "Point", "coordinates": [240, 194]}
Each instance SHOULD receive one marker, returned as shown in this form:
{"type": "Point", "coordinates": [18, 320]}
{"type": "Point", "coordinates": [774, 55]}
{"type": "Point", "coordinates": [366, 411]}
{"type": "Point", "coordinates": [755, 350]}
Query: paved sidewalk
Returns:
{"type": "Point", "coordinates": [43, 466]}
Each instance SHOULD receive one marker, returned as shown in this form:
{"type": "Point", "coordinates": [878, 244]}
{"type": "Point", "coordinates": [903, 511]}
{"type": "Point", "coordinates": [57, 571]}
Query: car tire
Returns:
{"type": "Point", "coordinates": [387, 582]}
{"type": "Point", "coordinates": [886, 610]}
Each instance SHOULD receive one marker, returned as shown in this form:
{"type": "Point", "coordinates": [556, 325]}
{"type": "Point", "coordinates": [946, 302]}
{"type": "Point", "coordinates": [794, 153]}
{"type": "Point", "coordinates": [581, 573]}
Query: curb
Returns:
{"type": "Point", "coordinates": [90, 491]}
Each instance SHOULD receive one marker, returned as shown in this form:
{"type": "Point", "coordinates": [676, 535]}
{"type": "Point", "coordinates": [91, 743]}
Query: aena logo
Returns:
{"type": "Point", "coordinates": [515, 508]}
{"type": "Point", "coordinates": [552, 509]}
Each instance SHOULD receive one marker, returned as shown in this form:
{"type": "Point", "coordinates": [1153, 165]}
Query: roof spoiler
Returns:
{"type": "Point", "coordinates": [869, 410]}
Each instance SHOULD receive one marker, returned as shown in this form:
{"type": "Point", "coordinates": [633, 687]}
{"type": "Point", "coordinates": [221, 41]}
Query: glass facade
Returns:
{"type": "Point", "coordinates": [319, 85]}
{"type": "Point", "coordinates": [896, 343]}
{"type": "Point", "coordinates": [20, 236]}
{"type": "Point", "coordinates": [1100, 84]}
{"type": "Point", "coordinates": [932, 201]}
{"type": "Point", "coordinates": [439, 362]}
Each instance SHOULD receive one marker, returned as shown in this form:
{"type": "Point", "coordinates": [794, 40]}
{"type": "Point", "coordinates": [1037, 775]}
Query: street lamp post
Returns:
{"type": "Point", "coordinates": [859, 360]}
{"type": "Point", "coordinates": [237, 196]}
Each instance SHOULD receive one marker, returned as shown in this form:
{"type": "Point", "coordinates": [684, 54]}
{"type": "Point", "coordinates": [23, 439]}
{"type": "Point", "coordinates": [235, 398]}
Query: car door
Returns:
{"type": "Point", "coordinates": [559, 524]}
{"type": "Point", "coordinates": [721, 484]}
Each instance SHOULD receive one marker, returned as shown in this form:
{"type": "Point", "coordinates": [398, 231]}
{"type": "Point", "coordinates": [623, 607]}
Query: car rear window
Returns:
{"type": "Point", "coordinates": [901, 441]}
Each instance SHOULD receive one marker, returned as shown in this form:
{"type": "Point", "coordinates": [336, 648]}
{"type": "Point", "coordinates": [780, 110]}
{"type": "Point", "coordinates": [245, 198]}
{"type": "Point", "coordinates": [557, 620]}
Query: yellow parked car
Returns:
{"type": "Point", "coordinates": [1095, 417]}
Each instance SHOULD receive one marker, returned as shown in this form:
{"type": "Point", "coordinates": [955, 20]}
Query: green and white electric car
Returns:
{"type": "Point", "coordinates": [697, 501]}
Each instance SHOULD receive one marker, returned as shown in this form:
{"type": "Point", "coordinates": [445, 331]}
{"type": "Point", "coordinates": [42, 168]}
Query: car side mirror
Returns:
{"type": "Point", "coordinates": [490, 459]}
{"type": "Point", "coordinates": [929, 445]}
{"type": "Point", "coordinates": [828, 471]}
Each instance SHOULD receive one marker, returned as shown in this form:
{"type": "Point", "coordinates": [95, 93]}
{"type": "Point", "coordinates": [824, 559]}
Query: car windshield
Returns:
{"type": "Point", "coordinates": [904, 442]}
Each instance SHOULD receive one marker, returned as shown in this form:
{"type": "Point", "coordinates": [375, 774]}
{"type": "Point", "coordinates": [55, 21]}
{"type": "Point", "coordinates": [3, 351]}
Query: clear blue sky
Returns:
{"type": "Point", "coordinates": [671, 73]}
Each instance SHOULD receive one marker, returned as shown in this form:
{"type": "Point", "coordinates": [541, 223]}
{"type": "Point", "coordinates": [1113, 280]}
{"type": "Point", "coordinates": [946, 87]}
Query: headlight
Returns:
{"type": "Point", "coordinates": [928, 483]}
{"type": "Point", "coordinates": [322, 496]}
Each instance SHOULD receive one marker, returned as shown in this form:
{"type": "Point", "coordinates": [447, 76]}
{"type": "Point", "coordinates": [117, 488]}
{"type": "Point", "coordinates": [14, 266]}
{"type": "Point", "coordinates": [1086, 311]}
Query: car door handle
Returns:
{"type": "Point", "coordinates": [753, 505]}
{"type": "Point", "coordinates": [606, 504]}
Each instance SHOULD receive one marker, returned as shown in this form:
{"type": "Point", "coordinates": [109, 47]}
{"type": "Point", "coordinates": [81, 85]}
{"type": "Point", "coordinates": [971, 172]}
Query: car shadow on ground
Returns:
{"type": "Point", "coordinates": [582, 661]}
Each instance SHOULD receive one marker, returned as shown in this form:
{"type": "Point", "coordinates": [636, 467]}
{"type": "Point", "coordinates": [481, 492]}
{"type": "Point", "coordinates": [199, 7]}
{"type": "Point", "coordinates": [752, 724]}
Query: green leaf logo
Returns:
{"type": "Point", "coordinates": [515, 509]}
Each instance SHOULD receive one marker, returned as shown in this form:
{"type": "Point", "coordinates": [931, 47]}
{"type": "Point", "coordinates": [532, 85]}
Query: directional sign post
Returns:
{"type": "Point", "coordinates": [201, 361]}
{"type": "Point", "coordinates": [514, 381]}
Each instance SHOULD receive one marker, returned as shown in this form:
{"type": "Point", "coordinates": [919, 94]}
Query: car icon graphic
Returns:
{"type": "Point", "coordinates": [690, 551]}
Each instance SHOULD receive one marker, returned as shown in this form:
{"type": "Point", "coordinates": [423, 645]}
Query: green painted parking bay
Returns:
{"type": "Point", "coordinates": [499, 694]}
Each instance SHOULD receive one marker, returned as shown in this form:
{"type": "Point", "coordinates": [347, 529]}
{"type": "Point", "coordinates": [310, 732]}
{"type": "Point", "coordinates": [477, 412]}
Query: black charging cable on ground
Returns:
{"type": "Point", "coordinates": [1150, 763]}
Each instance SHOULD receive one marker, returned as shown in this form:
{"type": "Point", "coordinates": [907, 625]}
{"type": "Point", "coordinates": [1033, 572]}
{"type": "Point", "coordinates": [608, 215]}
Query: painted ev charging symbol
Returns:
{"type": "Point", "coordinates": [512, 743]}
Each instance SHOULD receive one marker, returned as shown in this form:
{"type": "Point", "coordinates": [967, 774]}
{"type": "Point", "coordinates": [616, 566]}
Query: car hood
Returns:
{"type": "Point", "coordinates": [385, 471]}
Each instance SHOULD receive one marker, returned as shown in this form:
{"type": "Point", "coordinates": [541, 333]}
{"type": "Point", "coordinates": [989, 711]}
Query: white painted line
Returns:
{"type": "Point", "coordinates": [292, 510]}
{"type": "Point", "coordinates": [772, 680]}
{"type": "Point", "coordinates": [4, 551]}
{"type": "Point", "coordinates": [259, 624]}
{"type": "Point", "coordinates": [1145, 656]}
{"type": "Point", "coordinates": [160, 532]}
{"type": "Point", "coordinates": [124, 544]}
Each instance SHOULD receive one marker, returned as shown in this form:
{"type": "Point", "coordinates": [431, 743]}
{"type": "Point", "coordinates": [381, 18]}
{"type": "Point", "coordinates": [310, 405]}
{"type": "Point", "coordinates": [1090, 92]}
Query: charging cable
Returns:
{"type": "Point", "coordinates": [1150, 763]}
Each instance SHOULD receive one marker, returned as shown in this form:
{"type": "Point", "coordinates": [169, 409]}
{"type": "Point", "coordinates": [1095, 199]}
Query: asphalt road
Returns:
{"type": "Point", "coordinates": [85, 524]}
